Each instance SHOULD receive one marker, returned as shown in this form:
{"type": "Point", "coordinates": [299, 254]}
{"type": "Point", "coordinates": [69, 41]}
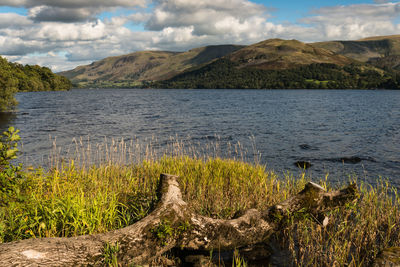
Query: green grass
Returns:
{"type": "Point", "coordinates": [68, 200]}
{"type": "Point", "coordinates": [317, 82]}
{"type": "Point", "coordinates": [355, 234]}
{"type": "Point", "coordinates": [72, 201]}
{"type": "Point", "coordinates": [109, 84]}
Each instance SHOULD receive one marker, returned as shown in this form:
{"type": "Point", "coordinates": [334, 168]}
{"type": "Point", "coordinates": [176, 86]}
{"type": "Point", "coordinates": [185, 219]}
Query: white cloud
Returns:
{"type": "Point", "coordinates": [52, 60]}
{"type": "Point", "coordinates": [354, 21]}
{"type": "Point", "coordinates": [361, 11]}
{"type": "Point", "coordinates": [70, 37]}
{"type": "Point", "coordinates": [73, 3]}
{"type": "Point", "coordinates": [202, 15]}
{"type": "Point", "coordinates": [12, 20]}
{"type": "Point", "coordinates": [12, 2]}
{"type": "Point", "coordinates": [62, 34]}
{"type": "Point", "coordinates": [17, 46]}
{"type": "Point", "coordinates": [56, 32]}
{"type": "Point", "coordinates": [47, 13]}
{"type": "Point", "coordinates": [139, 17]}
{"type": "Point", "coordinates": [70, 10]}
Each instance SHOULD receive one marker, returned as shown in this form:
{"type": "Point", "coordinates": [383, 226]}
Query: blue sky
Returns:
{"type": "Point", "coordinates": [293, 10]}
{"type": "Point", "coordinates": [63, 34]}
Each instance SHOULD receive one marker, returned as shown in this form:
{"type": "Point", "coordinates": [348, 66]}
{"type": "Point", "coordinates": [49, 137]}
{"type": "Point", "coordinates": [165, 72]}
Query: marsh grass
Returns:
{"type": "Point", "coordinates": [119, 151]}
{"type": "Point", "coordinates": [355, 235]}
{"type": "Point", "coordinates": [76, 197]}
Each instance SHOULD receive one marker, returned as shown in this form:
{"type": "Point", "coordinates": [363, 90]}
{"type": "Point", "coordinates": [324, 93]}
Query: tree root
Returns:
{"type": "Point", "coordinates": [171, 225]}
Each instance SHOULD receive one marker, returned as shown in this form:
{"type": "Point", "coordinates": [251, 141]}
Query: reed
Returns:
{"type": "Point", "coordinates": [118, 151]}
{"type": "Point", "coordinates": [76, 197]}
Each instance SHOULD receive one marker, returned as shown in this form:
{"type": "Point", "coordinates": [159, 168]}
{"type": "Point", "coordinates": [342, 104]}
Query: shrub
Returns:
{"type": "Point", "coordinates": [11, 175]}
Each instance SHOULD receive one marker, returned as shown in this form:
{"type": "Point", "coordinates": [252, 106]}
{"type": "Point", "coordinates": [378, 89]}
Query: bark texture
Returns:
{"type": "Point", "coordinates": [171, 225]}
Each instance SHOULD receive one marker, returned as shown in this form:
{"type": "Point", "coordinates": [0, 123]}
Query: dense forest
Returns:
{"type": "Point", "coordinates": [224, 73]}
{"type": "Point", "coordinates": [15, 78]}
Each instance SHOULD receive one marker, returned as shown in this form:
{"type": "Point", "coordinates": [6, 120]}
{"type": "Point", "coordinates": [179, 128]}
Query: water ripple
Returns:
{"type": "Point", "coordinates": [327, 128]}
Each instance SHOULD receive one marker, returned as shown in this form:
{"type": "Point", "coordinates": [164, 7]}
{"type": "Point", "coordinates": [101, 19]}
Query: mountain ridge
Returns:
{"type": "Point", "coordinates": [147, 68]}
{"type": "Point", "coordinates": [367, 50]}
{"type": "Point", "coordinates": [144, 66]}
{"type": "Point", "coordinates": [280, 54]}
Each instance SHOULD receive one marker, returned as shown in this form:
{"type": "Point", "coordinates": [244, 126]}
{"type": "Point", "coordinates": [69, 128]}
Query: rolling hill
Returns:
{"type": "Point", "coordinates": [136, 68]}
{"type": "Point", "coordinates": [371, 63]}
{"type": "Point", "coordinates": [284, 54]}
{"type": "Point", "coordinates": [380, 51]}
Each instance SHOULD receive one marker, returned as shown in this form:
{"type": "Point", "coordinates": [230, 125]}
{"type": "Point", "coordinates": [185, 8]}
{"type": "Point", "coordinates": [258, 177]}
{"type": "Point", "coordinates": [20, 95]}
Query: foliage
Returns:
{"type": "Point", "coordinates": [110, 254]}
{"type": "Point", "coordinates": [15, 78]}
{"type": "Point", "coordinates": [163, 231]}
{"type": "Point", "coordinates": [224, 73]}
{"type": "Point", "coordinates": [10, 176]}
{"type": "Point", "coordinates": [237, 260]}
{"type": "Point", "coordinates": [70, 201]}
{"type": "Point", "coordinates": [8, 86]}
{"type": "Point", "coordinates": [355, 234]}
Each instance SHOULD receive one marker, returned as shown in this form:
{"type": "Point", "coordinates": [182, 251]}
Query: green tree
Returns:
{"type": "Point", "coordinates": [8, 86]}
{"type": "Point", "coordinates": [15, 78]}
{"type": "Point", "coordinates": [11, 176]}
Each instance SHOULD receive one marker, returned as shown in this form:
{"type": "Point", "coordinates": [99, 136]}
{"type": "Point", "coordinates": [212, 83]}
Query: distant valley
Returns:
{"type": "Point", "coordinates": [275, 63]}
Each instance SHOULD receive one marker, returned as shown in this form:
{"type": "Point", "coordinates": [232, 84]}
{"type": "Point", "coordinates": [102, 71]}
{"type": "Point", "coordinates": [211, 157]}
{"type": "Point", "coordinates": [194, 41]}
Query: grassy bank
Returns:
{"type": "Point", "coordinates": [69, 200]}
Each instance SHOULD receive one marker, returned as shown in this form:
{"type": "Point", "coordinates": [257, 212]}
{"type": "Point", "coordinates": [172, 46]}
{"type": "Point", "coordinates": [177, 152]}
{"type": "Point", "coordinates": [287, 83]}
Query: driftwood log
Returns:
{"type": "Point", "coordinates": [171, 225]}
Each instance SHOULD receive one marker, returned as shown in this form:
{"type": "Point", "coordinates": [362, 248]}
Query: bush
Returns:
{"type": "Point", "coordinates": [11, 176]}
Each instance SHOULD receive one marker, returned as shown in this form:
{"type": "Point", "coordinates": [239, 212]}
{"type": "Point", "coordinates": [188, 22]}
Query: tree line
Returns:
{"type": "Point", "coordinates": [15, 78]}
{"type": "Point", "coordinates": [224, 73]}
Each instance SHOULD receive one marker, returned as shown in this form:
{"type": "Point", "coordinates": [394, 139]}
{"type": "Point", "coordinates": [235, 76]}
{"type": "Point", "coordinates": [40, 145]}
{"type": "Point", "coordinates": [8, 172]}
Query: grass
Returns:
{"type": "Point", "coordinates": [317, 82]}
{"type": "Point", "coordinates": [109, 84]}
{"type": "Point", "coordinates": [72, 199]}
{"type": "Point", "coordinates": [355, 235]}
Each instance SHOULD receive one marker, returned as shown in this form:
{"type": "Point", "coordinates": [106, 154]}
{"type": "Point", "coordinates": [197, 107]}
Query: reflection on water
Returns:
{"type": "Point", "coordinates": [6, 119]}
{"type": "Point", "coordinates": [339, 132]}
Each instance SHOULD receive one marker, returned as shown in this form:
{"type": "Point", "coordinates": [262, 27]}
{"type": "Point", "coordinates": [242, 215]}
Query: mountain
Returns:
{"type": "Point", "coordinates": [275, 63]}
{"type": "Point", "coordinates": [380, 51]}
{"type": "Point", "coordinates": [223, 73]}
{"type": "Point", "coordinates": [136, 68]}
{"type": "Point", "coordinates": [284, 54]}
{"type": "Point", "coordinates": [278, 63]}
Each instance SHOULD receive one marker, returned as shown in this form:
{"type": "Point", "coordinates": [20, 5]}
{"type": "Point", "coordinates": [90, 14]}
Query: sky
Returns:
{"type": "Point", "coordinates": [62, 34]}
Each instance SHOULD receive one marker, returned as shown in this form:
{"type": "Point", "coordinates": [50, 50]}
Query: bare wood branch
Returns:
{"type": "Point", "coordinates": [138, 243]}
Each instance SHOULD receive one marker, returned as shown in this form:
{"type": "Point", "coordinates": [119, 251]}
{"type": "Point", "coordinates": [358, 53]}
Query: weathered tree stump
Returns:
{"type": "Point", "coordinates": [171, 225]}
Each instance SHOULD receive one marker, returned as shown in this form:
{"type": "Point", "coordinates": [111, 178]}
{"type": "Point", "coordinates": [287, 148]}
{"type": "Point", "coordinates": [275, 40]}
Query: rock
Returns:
{"type": "Point", "coordinates": [303, 164]}
{"type": "Point", "coordinates": [305, 146]}
{"type": "Point", "coordinates": [388, 257]}
{"type": "Point", "coordinates": [352, 160]}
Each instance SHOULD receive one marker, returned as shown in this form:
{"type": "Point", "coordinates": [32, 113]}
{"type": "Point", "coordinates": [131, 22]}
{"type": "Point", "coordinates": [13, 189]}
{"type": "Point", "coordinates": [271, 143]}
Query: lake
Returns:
{"type": "Point", "coordinates": [340, 132]}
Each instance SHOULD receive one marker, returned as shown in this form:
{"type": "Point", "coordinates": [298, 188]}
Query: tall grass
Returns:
{"type": "Point", "coordinates": [355, 235]}
{"type": "Point", "coordinates": [118, 151]}
{"type": "Point", "coordinates": [77, 197]}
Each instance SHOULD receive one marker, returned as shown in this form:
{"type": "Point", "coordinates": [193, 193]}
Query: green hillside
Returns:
{"type": "Point", "coordinates": [368, 63]}
{"type": "Point", "coordinates": [135, 68]}
{"type": "Point", "coordinates": [284, 54]}
{"type": "Point", "coordinates": [381, 51]}
{"type": "Point", "coordinates": [225, 73]}
{"type": "Point", "coordinates": [278, 63]}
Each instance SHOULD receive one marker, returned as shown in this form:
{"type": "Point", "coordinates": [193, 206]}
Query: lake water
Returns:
{"type": "Point", "coordinates": [280, 127]}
